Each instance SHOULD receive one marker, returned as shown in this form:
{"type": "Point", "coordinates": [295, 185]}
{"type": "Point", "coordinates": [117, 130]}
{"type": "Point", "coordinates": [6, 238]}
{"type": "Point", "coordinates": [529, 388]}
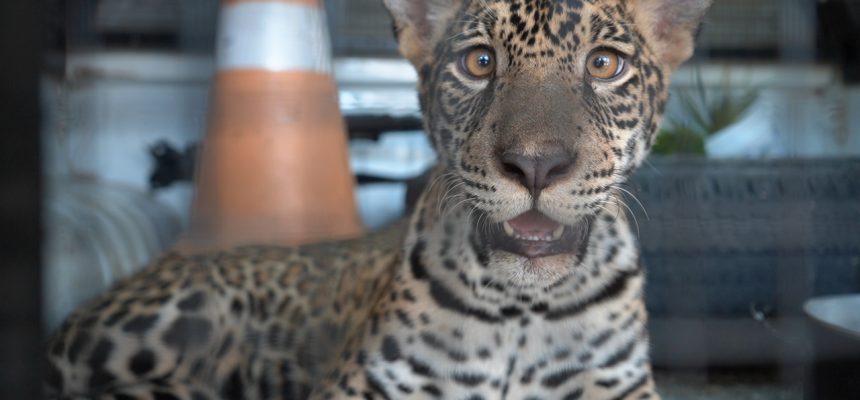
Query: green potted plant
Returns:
{"type": "Point", "coordinates": [703, 112]}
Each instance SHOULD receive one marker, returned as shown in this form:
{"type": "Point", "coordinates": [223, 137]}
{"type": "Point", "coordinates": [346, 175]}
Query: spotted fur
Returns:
{"type": "Point", "coordinates": [432, 310]}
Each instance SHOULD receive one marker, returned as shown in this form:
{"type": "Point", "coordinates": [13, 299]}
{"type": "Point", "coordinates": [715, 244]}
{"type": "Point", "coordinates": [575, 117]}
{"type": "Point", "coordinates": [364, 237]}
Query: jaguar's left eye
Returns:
{"type": "Point", "coordinates": [605, 64]}
{"type": "Point", "coordinates": [478, 62]}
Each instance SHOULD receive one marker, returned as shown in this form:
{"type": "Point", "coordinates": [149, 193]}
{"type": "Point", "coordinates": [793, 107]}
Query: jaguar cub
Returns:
{"type": "Point", "coordinates": [517, 276]}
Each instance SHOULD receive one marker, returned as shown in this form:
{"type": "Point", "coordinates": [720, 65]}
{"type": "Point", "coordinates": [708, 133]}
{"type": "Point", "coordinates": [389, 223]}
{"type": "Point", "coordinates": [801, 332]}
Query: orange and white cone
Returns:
{"type": "Point", "coordinates": [274, 164]}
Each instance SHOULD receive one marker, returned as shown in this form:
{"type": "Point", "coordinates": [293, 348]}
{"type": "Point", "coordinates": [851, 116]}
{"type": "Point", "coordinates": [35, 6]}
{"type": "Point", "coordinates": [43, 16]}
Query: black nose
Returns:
{"type": "Point", "coordinates": [536, 172]}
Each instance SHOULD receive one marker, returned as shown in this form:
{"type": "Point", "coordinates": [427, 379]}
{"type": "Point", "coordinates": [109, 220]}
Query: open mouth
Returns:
{"type": "Point", "coordinates": [534, 235]}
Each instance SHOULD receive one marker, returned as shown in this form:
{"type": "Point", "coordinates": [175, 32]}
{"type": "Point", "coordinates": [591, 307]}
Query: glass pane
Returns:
{"type": "Point", "coordinates": [506, 184]}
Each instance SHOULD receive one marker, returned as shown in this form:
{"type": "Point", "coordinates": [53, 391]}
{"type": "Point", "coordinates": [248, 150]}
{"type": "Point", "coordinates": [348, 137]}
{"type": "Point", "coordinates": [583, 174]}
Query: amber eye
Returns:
{"type": "Point", "coordinates": [478, 62]}
{"type": "Point", "coordinates": [605, 64]}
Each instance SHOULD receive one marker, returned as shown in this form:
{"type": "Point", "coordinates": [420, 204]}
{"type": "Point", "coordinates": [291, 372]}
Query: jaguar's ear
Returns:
{"type": "Point", "coordinates": [671, 26]}
{"type": "Point", "coordinates": [418, 25]}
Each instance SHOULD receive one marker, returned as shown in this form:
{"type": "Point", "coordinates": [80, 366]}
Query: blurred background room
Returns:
{"type": "Point", "coordinates": [748, 210]}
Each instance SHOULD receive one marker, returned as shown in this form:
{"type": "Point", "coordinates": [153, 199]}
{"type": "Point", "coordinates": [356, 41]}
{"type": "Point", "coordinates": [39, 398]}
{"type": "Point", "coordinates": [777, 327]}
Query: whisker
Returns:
{"type": "Point", "coordinates": [452, 190]}
{"type": "Point", "coordinates": [651, 165]}
{"type": "Point", "coordinates": [647, 217]}
{"type": "Point", "coordinates": [636, 221]}
{"type": "Point", "coordinates": [460, 199]}
{"type": "Point", "coordinates": [488, 8]}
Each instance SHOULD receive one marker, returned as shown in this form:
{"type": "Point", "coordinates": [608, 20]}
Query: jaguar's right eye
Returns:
{"type": "Point", "coordinates": [478, 62]}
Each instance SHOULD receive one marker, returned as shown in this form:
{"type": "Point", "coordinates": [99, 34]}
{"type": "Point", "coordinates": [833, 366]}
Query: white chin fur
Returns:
{"type": "Point", "coordinates": [517, 270]}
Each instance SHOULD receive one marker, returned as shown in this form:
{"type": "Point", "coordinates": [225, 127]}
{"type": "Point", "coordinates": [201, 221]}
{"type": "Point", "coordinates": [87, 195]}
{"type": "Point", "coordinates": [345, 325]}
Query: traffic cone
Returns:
{"type": "Point", "coordinates": [274, 164]}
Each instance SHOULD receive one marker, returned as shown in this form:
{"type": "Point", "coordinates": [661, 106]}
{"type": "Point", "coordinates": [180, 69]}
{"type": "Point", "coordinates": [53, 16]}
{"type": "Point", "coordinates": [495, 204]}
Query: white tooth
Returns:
{"type": "Point", "coordinates": [509, 230]}
{"type": "Point", "coordinates": [556, 234]}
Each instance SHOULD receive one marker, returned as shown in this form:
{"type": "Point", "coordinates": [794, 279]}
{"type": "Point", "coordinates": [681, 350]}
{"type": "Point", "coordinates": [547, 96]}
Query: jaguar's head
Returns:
{"type": "Point", "coordinates": [538, 109]}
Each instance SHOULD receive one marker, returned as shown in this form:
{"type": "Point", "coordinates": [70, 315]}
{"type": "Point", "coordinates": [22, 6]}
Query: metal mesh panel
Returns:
{"type": "Point", "coordinates": [745, 24]}
{"type": "Point", "coordinates": [360, 27]}
{"type": "Point", "coordinates": [760, 28]}
{"type": "Point", "coordinates": [137, 15]}
{"type": "Point", "coordinates": [725, 234]}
